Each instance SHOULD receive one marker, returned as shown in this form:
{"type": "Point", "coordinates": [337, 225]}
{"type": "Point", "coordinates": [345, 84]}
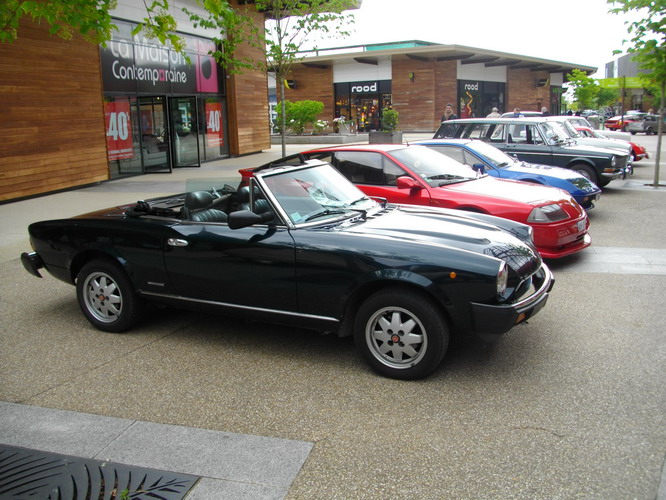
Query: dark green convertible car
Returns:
{"type": "Point", "coordinates": [301, 245]}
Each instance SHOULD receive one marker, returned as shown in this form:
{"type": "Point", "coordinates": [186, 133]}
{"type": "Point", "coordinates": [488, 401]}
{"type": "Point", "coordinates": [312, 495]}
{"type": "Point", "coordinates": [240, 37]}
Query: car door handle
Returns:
{"type": "Point", "coordinates": [177, 242]}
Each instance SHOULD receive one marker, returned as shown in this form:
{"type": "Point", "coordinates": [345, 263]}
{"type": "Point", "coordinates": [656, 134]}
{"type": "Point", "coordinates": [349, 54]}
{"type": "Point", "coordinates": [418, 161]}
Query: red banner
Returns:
{"type": "Point", "coordinates": [118, 130]}
{"type": "Point", "coordinates": [214, 132]}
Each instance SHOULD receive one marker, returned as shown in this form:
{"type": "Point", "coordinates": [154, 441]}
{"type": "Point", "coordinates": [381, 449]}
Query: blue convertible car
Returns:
{"type": "Point", "coordinates": [499, 164]}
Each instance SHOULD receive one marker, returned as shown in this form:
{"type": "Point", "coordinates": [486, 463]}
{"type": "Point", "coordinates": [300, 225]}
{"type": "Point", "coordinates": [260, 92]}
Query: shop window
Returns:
{"type": "Point", "coordinates": [214, 117]}
{"type": "Point", "coordinates": [122, 135]}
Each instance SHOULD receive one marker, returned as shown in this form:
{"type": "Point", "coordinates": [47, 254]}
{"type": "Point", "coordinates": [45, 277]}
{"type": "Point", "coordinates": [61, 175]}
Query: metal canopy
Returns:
{"type": "Point", "coordinates": [425, 51]}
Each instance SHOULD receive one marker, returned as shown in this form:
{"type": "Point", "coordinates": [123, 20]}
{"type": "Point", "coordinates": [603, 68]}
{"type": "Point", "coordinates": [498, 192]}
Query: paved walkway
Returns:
{"type": "Point", "coordinates": [230, 465]}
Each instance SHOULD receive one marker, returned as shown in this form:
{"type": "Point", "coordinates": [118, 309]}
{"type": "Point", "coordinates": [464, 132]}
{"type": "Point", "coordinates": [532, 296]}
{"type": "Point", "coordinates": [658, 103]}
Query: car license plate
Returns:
{"type": "Point", "coordinates": [580, 225]}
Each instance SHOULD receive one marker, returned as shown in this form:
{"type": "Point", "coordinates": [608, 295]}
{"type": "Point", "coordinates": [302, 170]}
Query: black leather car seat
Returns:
{"type": "Point", "coordinates": [261, 205]}
{"type": "Point", "coordinates": [198, 208]}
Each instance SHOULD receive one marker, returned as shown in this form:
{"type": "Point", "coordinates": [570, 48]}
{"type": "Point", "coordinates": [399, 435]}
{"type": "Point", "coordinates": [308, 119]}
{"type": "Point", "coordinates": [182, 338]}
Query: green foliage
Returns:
{"type": "Point", "coordinates": [91, 18]}
{"type": "Point", "coordinates": [300, 114]}
{"type": "Point", "coordinates": [587, 92]}
{"type": "Point", "coordinates": [389, 120]}
{"type": "Point", "coordinates": [293, 23]}
{"type": "Point", "coordinates": [648, 37]}
{"type": "Point", "coordinates": [606, 97]}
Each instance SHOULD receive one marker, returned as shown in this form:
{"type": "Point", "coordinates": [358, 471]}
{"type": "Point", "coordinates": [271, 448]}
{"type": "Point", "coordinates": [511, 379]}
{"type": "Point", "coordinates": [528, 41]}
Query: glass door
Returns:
{"type": "Point", "coordinates": [184, 131]}
{"type": "Point", "coordinates": [154, 134]}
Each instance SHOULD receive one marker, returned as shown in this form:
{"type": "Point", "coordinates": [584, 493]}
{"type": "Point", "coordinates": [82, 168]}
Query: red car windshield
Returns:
{"type": "Point", "coordinates": [434, 168]}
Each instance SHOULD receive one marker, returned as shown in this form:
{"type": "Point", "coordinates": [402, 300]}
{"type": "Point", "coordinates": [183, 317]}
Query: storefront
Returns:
{"type": "Point", "coordinates": [418, 79]}
{"type": "Point", "coordinates": [362, 103]}
{"type": "Point", "coordinates": [162, 109]}
{"type": "Point", "coordinates": [476, 99]}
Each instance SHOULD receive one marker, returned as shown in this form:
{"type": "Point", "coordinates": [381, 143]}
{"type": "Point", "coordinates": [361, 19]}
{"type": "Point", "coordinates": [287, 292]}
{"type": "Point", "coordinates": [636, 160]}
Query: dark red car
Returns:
{"type": "Point", "coordinates": [622, 122]}
{"type": "Point", "coordinates": [416, 175]}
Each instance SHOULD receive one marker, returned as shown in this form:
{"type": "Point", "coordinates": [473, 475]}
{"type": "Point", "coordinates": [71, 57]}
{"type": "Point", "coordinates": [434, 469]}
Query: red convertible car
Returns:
{"type": "Point", "coordinates": [638, 152]}
{"type": "Point", "coordinates": [416, 175]}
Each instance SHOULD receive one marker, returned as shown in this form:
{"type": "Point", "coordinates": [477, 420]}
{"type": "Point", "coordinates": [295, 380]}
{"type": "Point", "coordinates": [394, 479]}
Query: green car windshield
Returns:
{"type": "Point", "coordinates": [316, 193]}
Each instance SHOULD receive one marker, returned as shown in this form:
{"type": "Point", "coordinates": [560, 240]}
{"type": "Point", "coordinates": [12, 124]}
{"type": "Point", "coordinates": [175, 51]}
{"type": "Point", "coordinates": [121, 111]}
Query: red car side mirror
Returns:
{"type": "Point", "coordinates": [406, 182]}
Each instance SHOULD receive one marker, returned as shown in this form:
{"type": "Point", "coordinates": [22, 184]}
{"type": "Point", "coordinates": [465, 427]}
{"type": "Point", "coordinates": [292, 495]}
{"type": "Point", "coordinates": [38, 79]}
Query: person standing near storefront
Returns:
{"type": "Point", "coordinates": [449, 114]}
{"type": "Point", "coordinates": [494, 114]}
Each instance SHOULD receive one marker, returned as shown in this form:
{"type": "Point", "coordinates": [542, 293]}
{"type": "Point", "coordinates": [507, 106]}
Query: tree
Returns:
{"type": "Point", "coordinates": [587, 91]}
{"type": "Point", "coordinates": [92, 19]}
{"type": "Point", "coordinates": [648, 37]}
{"type": "Point", "coordinates": [293, 25]}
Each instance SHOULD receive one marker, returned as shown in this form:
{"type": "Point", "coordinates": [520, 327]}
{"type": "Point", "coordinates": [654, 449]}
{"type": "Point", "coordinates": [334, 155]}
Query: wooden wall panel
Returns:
{"type": "Point", "coordinates": [421, 101]}
{"type": "Point", "coordinates": [315, 84]}
{"type": "Point", "coordinates": [446, 89]}
{"type": "Point", "coordinates": [247, 100]}
{"type": "Point", "coordinates": [414, 100]}
{"type": "Point", "coordinates": [52, 115]}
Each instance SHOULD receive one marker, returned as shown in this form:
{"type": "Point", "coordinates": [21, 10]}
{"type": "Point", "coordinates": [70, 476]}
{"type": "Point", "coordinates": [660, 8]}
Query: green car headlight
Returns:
{"type": "Point", "coordinates": [502, 278]}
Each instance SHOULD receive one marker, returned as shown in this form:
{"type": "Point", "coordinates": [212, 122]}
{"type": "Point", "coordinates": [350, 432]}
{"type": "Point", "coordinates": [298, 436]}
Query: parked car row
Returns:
{"type": "Point", "coordinates": [542, 141]}
{"type": "Point", "coordinates": [400, 246]}
{"type": "Point", "coordinates": [417, 175]}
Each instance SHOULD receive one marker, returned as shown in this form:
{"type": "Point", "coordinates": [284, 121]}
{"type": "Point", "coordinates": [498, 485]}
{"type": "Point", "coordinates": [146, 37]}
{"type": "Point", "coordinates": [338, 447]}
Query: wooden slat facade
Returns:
{"type": "Point", "coordinates": [247, 98]}
{"type": "Point", "coordinates": [421, 100]}
{"type": "Point", "coordinates": [315, 84]}
{"type": "Point", "coordinates": [52, 115]}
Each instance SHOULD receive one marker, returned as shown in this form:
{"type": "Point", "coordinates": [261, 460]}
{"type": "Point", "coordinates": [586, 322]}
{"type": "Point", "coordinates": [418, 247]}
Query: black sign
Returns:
{"type": "Point", "coordinates": [364, 88]}
{"type": "Point", "coordinates": [134, 67]}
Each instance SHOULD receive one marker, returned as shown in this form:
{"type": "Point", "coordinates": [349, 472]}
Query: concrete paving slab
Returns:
{"type": "Point", "coordinates": [616, 260]}
{"type": "Point", "coordinates": [233, 465]}
{"type": "Point", "coordinates": [221, 455]}
{"type": "Point", "coordinates": [58, 431]}
{"type": "Point", "coordinates": [215, 489]}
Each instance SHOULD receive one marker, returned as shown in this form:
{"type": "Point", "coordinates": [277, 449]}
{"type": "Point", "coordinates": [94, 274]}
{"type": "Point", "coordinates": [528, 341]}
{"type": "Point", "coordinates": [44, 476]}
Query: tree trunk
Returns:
{"type": "Point", "coordinates": [660, 131]}
{"type": "Point", "coordinates": [283, 106]}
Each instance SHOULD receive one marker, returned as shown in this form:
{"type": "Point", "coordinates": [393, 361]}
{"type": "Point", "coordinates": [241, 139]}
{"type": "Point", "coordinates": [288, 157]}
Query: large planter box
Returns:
{"type": "Point", "coordinates": [385, 137]}
{"type": "Point", "coordinates": [321, 139]}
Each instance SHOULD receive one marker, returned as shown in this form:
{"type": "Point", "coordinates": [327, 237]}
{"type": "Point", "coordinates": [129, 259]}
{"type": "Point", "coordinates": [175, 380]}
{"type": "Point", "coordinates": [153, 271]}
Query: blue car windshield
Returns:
{"type": "Point", "coordinates": [497, 158]}
{"type": "Point", "coordinates": [434, 168]}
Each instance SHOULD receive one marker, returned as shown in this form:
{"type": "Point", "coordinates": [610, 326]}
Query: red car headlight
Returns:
{"type": "Point", "coordinates": [548, 213]}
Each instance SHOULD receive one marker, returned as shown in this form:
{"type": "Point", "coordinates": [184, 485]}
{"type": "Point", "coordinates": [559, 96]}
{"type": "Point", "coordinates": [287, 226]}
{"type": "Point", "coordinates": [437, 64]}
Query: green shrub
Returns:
{"type": "Point", "coordinates": [300, 114]}
{"type": "Point", "coordinates": [389, 120]}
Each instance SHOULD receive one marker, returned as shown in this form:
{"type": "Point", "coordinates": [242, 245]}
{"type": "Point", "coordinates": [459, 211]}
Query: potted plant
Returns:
{"type": "Point", "coordinates": [341, 125]}
{"type": "Point", "coordinates": [388, 133]}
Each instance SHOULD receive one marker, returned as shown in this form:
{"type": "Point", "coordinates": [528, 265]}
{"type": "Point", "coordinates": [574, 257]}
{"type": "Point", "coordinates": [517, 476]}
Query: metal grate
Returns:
{"type": "Point", "coordinates": [32, 474]}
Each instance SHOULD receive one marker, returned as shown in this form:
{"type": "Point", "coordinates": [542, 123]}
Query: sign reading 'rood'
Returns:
{"type": "Point", "coordinates": [364, 88]}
